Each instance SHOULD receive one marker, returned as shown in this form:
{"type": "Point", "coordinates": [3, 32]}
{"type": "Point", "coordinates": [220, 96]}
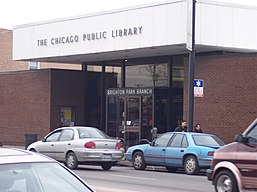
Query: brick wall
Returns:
{"type": "Point", "coordinates": [230, 89]}
{"type": "Point", "coordinates": [25, 105]}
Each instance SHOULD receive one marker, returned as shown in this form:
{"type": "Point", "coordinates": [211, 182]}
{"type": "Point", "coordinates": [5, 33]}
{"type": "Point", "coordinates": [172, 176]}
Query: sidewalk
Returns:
{"type": "Point", "coordinates": [124, 163]}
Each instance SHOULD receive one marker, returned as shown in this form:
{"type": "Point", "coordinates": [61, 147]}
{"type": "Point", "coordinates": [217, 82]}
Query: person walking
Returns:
{"type": "Point", "coordinates": [182, 127]}
{"type": "Point", "coordinates": [198, 129]}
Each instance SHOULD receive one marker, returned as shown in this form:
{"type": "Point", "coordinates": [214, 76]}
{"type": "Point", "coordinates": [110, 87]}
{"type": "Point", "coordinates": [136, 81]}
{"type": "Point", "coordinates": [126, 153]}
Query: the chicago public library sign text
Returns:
{"type": "Point", "coordinates": [101, 35]}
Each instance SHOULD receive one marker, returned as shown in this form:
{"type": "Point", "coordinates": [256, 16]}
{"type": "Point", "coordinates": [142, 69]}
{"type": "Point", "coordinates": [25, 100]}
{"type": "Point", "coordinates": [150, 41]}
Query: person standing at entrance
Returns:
{"type": "Point", "coordinates": [182, 127]}
{"type": "Point", "coordinates": [198, 129]}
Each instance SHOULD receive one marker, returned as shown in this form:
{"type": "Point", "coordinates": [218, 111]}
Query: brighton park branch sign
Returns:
{"type": "Point", "coordinates": [76, 38]}
{"type": "Point", "coordinates": [130, 91]}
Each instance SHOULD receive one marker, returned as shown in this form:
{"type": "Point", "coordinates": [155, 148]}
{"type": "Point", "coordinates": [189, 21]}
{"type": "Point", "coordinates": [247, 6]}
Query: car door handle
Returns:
{"type": "Point", "coordinates": [69, 144]}
{"type": "Point", "coordinates": [182, 150]}
{"type": "Point", "coordinates": [163, 149]}
{"type": "Point", "coordinates": [52, 145]}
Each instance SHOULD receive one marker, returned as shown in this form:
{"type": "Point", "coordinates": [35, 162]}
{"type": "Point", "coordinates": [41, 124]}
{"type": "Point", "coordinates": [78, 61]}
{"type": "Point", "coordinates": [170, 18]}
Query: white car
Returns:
{"type": "Point", "coordinates": [79, 145]}
{"type": "Point", "coordinates": [25, 171]}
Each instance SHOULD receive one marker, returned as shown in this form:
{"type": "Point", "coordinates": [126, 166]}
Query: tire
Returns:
{"type": "Point", "coordinates": [171, 169]}
{"type": "Point", "coordinates": [71, 161]}
{"type": "Point", "coordinates": [138, 161]}
{"type": "Point", "coordinates": [191, 165]}
{"type": "Point", "coordinates": [225, 181]}
{"type": "Point", "coordinates": [106, 166]}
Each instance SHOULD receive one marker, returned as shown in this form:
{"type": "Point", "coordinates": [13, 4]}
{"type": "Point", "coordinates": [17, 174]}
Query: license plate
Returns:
{"type": "Point", "coordinates": [106, 157]}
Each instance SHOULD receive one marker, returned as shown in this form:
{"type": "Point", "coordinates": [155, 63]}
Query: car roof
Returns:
{"type": "Point", "coordinates": [193, 133]}
{"type": "Point", "coordinates": [75, 127]}
{"type": "Point", "coordinates": [15, 155]}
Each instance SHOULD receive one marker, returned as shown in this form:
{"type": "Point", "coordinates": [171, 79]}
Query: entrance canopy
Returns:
{"type": "Point", "coordinates": [141, 31]}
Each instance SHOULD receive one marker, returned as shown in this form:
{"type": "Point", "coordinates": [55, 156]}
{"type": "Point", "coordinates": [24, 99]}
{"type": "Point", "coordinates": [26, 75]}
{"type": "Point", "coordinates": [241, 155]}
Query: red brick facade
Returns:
{"type": "Point", "coordinates": [229, 104]}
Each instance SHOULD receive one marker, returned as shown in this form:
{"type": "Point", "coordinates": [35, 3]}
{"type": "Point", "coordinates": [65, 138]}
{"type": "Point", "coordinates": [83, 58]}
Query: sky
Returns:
{"type": "Point", "coordinates": [19, 12]}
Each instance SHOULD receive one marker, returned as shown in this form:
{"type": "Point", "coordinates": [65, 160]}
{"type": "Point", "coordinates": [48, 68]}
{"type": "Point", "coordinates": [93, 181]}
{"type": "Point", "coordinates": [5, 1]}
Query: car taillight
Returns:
{"type": "Point", "coordinates": [118, 146]}
{"type": "Point", "coordinates": [89, 144]}
{"type": "Point", "coordinates": [210, 153]}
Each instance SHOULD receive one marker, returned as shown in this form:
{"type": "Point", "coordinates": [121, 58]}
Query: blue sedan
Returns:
{"type": "Point", "coordinates": [174, 150]}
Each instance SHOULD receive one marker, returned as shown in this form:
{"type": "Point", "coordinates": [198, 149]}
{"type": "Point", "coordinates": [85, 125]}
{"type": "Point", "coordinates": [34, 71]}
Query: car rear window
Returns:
{"type": "Point", "coordinates": [91, 133]}
{"type": "Point", "coordinates": [207, 140]}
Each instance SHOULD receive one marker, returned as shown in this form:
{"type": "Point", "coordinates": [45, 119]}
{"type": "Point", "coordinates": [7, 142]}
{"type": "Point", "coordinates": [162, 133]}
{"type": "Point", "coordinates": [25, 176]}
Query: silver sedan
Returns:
{"type": "Point", "coordinates": [79, 145]}
{"type": "Point", "coordinates": [24, 171]}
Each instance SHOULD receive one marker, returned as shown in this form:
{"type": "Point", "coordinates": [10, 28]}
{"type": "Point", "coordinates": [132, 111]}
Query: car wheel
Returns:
{"type": "Point", "coordinates": [71, 160]}
{"type": "Point", "coordinates": [106, 166]}
{"type": "Point", "coordinates": [138, 161]}
{"type": "Point", "coordinates": [191, 165]}
{"type": "Point", "coordinates": [171, 169]}
{"type": "Point", "coordinates": [225, 181]}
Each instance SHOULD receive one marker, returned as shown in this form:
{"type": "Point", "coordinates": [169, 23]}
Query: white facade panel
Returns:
{"type": "Point", "coordinates": [146, 18]}
{"type": "Point", "coordinates": [206, 30]}
{"type": "Point", "coordinates": [240, 26]}
{"type": "Point", "coordinates": [159, 19]}
{"type": "Point", "coordinates": [177, 16]}
{"type": "Point", "coordinates": [133, 19]}
{"type": "Point", "coordinates": [225, 25]}
{"type": "Point", "coordinates": [252, 31]}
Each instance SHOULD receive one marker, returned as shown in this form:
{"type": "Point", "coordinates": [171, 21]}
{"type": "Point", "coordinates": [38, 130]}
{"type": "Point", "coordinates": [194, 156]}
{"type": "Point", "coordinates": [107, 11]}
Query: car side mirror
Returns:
{"type": "Point", "coordinates": [241, 139]}
{"type": "Point", "coordinates": [152, 143]}
{"type": "Point", "coordinates": [43, 140]}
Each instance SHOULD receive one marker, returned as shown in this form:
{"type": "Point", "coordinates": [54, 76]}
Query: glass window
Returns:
{"type": "Point", "coordinates": [177, 72]}
{"type": "Point", "coordinates": [160, 113]}
{"type": "Point", "coordinates": [207, 140]}
{"type": "Point", "coordinates": [34, 65]}
{"type": "Point", "coordinates": [177, 141]}
{"type": "Point", "coordinates": [54, 136]}
{"type": "Point", "coordinates": [91, 133]}
{"type": "Point", "coordinates": [39, 177]}
{"type": "Point", "coordinates": [67, 116]}
{"type": "Point", "coordinates": [163, 140]}
{"type": "Point", "coordinates": [67, 135]}
{"type": "Point", "coordinates": [147, 75]}
{"type": "Point", "coordinates": [184, 142]}
{"type": "Point", "coordinates": [252, 135]}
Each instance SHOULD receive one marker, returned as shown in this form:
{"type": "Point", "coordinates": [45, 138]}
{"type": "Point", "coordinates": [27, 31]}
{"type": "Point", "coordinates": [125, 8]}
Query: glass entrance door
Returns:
{"type": "Point", "coordinates": [129, 119]}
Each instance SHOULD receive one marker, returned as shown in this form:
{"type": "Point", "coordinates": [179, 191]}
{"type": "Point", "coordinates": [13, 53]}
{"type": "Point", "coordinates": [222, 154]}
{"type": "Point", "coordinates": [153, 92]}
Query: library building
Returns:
{"type": "Point", "coordinates": [134, 70]}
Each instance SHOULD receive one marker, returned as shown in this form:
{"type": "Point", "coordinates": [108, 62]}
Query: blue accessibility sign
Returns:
{"type": "Point", "coordinates": [198, 83]}
{"type": "Point", "coordinates": [198, 88]}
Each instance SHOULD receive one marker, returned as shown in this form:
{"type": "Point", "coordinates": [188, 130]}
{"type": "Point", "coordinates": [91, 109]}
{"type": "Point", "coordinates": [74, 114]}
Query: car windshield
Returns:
{"type": "Point", "coordinates": [207, 140]}
{"type": "Point", "coordinates": [91, 133]}
{"type": "Point", "coordinates": [39, 177]}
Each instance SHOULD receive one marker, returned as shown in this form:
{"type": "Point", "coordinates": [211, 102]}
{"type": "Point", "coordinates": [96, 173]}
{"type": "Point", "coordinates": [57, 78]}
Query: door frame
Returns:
{"type": "Point", "coordinates": [123, 125]}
